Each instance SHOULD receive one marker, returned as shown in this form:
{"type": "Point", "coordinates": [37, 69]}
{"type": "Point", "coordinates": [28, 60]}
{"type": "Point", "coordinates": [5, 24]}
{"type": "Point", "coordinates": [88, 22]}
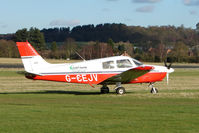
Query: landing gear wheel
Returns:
{"type": "Point", "coordinates": [154, 90]}
{"type": "Point", "coordinates": [120, 90]}
{"type": "Point", "coordinates": [104, 90]}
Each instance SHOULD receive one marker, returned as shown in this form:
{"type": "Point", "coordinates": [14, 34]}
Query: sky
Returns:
{"type": "Point", "coordinates": [18, 14]}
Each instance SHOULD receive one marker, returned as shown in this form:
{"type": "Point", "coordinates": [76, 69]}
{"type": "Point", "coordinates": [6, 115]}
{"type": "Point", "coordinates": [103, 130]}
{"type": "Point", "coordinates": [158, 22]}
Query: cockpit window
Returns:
{"type": "Point", "coordinates": [108, 65]}
{"type": "Point", "coordinates": [124, 63]}
{"type": "Point", "coordinates": [137, 62]}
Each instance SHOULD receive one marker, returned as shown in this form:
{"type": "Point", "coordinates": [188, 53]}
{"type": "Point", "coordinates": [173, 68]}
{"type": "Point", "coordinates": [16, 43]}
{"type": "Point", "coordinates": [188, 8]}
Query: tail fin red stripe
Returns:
{"type": "Point", "coordinates": [25, 49]}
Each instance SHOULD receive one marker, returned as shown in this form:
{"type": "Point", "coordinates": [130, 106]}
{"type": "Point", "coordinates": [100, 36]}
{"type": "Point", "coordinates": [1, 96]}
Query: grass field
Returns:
{"type": "Point", "coordinates": [53, 107]}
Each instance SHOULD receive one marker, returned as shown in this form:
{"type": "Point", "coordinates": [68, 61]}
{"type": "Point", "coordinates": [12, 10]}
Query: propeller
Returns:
{"type": "Point", "coordinates": [168, 66]}
{"type": "Point", "coordinates": [169, 61]}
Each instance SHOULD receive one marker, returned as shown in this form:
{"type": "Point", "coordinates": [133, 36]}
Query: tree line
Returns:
{"type": "Point", "coordinates": [153, 43]}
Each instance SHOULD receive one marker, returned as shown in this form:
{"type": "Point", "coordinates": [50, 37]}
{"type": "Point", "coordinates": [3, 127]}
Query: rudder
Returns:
{"type": "Point", "coordinates": [25, 49]}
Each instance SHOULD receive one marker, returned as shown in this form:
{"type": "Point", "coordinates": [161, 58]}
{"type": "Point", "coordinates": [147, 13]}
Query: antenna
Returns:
{"type": "Point", "coordinates": [79, 55]}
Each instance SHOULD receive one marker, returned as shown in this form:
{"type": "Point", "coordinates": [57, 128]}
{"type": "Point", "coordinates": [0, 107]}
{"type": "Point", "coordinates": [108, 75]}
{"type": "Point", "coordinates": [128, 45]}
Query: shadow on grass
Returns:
{"type": "Point", "coordinates": [61, 92]}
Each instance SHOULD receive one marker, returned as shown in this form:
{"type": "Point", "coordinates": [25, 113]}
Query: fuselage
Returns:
{"type": "Point", "coordinates": [98, 70]}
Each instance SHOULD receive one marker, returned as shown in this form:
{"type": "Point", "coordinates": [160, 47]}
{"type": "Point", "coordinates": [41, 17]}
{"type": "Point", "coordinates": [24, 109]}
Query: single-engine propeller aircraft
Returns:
{"type": "Point", "coordinates": [116, 70]}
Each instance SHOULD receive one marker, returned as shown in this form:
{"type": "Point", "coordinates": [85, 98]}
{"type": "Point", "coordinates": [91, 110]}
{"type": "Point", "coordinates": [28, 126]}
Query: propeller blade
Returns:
{"type": "Point", "coordinates": [169, 61]}
{"type": "Point", "coordinates": [167, 78]}
{"type": "Point", "coordinates": [165, 63]}
{"type": "Point", "coordinates": [169, 66]}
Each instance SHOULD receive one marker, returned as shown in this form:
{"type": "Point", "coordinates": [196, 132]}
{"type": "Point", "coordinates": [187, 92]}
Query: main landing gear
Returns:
{"type": "Point", "coordinates": [104, 89]}
{"type": "Point", "coordinates": [119, 89]}
{"type": "Point", "coordinates": [153, 89]}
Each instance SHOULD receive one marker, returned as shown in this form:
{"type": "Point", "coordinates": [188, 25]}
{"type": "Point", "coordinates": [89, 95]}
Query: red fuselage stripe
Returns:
{"type": "Point", "coordinates": [98, 78]}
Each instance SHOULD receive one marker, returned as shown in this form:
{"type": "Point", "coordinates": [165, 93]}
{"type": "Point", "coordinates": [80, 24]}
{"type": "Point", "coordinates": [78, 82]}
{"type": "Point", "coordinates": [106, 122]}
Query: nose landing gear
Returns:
{"type": "Point", "coordinates": [153, 89]}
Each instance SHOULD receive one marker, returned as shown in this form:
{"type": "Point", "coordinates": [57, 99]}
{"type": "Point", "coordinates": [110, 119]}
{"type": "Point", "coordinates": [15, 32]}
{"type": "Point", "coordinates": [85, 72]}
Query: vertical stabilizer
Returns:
{"type": "Point", "coordinates": [32, 61]}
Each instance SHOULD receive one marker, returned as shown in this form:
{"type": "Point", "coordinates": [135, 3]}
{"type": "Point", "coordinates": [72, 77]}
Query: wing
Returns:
{"type": "Point", "coordinates": [129, 75]}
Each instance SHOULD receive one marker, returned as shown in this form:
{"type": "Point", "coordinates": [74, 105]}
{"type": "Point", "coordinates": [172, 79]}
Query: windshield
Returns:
{"type": "Point", "coordinates": [125, 63]}
{"type": "Point", "coordinates": [137, 62]}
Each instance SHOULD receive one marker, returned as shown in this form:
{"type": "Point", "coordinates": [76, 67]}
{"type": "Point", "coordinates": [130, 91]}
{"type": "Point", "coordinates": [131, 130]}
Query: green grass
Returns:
{"type": "Point", "coordinates": [186, 72]}
{"type": "Point", "coordinates": [57, 113]}
{"type": "Point", "coordinates": [54, 107]}
{"type": "Point", "coordinates": [9, 73]}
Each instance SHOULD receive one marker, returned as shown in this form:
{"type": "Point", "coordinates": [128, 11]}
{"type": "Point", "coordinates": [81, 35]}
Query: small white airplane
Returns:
{"type": "Point", "coordinates": [105, 71]}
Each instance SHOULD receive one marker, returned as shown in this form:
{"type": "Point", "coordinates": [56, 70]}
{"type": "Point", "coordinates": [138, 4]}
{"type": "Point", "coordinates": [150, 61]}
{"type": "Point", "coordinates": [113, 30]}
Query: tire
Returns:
{"type": "Point", "coordinates": [154, 91]}
{"type": "Point", "coordinates": [104, 90]}
{"type": "Point", "coordinates": [120, 90]}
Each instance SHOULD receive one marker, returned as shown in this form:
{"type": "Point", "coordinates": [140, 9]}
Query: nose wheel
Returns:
{"type": "Point", "coordinates": [153, 89]}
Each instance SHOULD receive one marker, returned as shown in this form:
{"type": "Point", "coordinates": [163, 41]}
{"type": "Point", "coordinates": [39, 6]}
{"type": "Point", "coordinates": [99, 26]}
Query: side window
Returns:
{"type": "Point", "coordinates": [108, 65]}
{"type": "Point", "coordinates": [125, 63]}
